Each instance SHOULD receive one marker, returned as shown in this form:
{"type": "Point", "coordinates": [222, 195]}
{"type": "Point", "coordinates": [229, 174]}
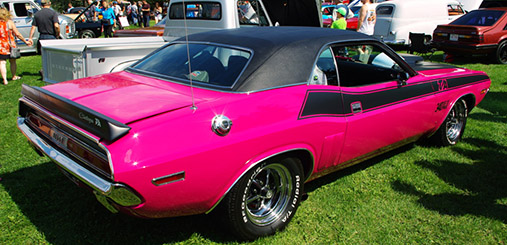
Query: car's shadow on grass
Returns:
{"type": "Point", "coordinates": [480, 186]}
{"type": "Point", "coordinates": [67, 214]}
{"type": "Point", "coordinates": [330, 178]}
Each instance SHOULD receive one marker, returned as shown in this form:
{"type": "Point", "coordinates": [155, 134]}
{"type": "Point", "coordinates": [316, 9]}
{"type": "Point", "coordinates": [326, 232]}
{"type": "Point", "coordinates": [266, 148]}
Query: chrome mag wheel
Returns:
{"type": "Point", "coordinates": [269, 191]}
{"type": "Point", "coordinates": [456, 121]}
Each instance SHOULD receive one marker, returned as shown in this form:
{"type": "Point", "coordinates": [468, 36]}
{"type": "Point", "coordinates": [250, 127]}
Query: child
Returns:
{"type": "Point", "coordinates": [340, 22]}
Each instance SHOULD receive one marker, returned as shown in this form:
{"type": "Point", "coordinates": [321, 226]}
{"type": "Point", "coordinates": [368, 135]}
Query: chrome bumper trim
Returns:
{"type": "Point", "coordinates": [116, 192]}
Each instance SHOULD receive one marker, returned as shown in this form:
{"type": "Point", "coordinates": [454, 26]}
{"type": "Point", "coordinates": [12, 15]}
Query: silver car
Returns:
{"type": "Point", "coordinates": [22, 14]}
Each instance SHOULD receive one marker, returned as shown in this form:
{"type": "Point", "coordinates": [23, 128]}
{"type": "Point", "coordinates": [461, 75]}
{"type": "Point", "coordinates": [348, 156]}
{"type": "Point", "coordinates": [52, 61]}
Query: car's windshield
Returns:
{"type": "Point", "coordinates": [210, 64]}
{"type": "Point", "coordinates": [479, 18]}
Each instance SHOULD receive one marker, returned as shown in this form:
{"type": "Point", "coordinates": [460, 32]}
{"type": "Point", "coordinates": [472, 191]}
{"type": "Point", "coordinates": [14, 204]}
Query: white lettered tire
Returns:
{"type": "Point", "coordinates": [265, 199]}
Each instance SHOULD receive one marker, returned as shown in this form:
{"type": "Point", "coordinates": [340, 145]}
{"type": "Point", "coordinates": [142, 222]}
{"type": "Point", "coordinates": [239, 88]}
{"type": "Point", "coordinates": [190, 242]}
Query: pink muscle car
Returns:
{"type": "Point", "coordinates": [253, 115]}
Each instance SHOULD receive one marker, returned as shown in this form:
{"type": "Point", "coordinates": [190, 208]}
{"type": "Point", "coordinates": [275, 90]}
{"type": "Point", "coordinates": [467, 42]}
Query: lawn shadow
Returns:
{"type": "Point", "coordinates": [26, 73]}
{"type": "Point", "coordinates": [67, 214]}
{"type": "Point", "coordinates": [480, 184]}
{"type": "Point", "coordinates": [332, 177]}
{"type": "Point", "coordinates": [495, 102]}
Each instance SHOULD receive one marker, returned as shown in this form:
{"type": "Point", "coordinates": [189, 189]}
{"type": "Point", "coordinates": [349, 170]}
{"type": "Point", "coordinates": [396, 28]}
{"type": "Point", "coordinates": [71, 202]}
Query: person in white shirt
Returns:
{"type": "Point", "coordinates": [367, 18]}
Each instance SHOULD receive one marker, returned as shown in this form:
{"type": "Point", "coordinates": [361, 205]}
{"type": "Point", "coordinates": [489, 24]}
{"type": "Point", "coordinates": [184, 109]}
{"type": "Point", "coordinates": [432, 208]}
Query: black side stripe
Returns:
{"type": "Point", "coordinates": [325, 103]}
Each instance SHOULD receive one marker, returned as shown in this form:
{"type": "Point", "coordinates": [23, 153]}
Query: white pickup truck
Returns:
{"type": "Point", "coordinates": [64, 60]}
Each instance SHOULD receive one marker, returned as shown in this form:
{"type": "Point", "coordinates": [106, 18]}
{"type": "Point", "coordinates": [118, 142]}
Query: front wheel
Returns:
{"type": "Point", "coordinates": [86, 34]}
{"type": "Point", "coordinates": [265, 199]}
{"type": "Point", "coordinates": [451, 130]}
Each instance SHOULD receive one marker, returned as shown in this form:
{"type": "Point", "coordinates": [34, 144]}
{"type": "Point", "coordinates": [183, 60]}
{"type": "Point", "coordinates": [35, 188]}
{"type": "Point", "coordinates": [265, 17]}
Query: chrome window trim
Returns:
{"type": "Point", "coordinates": [327, 46]}
{"type": "Point", "coordinates": [203, 85]}
{"type": "Point", "coordinates": [258, 162]}
{"type": "Point", "coordinates": [77, 130]}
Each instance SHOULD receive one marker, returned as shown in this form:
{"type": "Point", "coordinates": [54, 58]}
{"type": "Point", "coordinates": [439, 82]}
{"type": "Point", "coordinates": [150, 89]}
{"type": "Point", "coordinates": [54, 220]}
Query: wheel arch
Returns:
{"type": "Point", "coordinates": [305, 155]}
{"type": "Point", "coordinates": [469, 100]}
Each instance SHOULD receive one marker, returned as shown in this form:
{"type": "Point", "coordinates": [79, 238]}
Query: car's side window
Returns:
{"type": "Point", "coordinates": [20, 9]}
{"type": "Point", "coordinates": [6, 6]}
{"type": "Point", "coordinates": [324, 71]}
{"type": "Point", "coordinates": [360, 65]}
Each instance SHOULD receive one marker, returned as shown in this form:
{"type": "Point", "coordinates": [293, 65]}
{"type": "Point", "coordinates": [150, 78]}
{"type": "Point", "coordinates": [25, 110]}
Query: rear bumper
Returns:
{"type": "Point", "coordinates": [461, 48]}
{"type": "Point", "coordinates": [105, 190]}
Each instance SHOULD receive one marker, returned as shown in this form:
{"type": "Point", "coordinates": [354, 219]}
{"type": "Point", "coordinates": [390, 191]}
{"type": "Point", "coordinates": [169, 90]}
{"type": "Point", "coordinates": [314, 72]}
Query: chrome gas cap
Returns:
{"type": "Point", "coordinates": [221, 125]}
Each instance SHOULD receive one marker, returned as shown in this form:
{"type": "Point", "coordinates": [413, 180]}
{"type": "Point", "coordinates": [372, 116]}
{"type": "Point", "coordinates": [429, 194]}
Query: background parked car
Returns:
{"type": "Point", "coordinates": [22, 14]}
{"type": "Point", "coordinates": [156, 30]}
{"type": "Point", "coordinates": [482, 31]}
{"type": "Point", "coordinates": [87, 27]}
{"type": "Point", "coordinates": [397, 18]}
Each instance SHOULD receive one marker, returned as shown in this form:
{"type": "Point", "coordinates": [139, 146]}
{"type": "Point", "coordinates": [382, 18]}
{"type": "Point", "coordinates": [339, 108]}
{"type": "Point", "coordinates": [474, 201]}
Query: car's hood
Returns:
{"type": "Point", "coordinates": [118, 96]}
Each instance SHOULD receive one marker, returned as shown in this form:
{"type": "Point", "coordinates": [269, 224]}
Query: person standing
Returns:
{"type": "Point", "coordinates": [340, 22]}
{"type": "Point", "coordinates": [46, 21]}
{"type": "Point", "coordinates": [108, 18]}
{"type": "Point", "coordinates": [134, 13]}
{"type": "Point", "coordinates": [367, 18]}
{"type": "Point", "coordinates": [7, 32]}
{"type": "Point", "coordinates": [69, 8]}
{"type": "Point", "coordinates": [146, 13]}
{"type": "Point", "coordinates": [140, 13]}
{"type": "Point", "coordinates": [157, 12]}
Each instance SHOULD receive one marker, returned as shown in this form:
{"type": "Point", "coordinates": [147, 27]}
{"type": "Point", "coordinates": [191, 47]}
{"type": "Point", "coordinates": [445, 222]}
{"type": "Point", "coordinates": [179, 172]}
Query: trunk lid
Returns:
{"type": "Point", "coordinates": [118, 96]}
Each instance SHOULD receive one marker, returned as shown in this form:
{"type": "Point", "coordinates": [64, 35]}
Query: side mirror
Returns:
{"type": "Point", "coordinates": [402, 78]}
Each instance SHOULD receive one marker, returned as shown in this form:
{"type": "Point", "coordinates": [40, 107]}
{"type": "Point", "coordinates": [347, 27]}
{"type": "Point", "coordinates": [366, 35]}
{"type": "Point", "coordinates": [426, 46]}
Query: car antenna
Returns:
{"type": "Point", "coordinates": [184, 7]}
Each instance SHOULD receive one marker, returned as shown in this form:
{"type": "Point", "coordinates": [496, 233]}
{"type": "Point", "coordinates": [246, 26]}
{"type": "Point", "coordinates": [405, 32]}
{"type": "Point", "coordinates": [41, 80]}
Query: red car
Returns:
{"type": "Point", "coordinates": [156, 30]}
{"type": "Point", "coordinates": [482, 31]}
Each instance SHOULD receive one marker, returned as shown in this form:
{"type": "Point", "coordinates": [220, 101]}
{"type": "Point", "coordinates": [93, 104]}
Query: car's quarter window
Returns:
{"type": "Point", "coordinates": [210, 64]}
{"type": "Point", "coordinates": [196, 10]}
{"type": "Point", "coordinates": [324, 71]}
{"type": "Point", "coordinates": [360, 65]}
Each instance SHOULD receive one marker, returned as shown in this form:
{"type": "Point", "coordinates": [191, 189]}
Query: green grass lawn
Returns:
{"type": "Point", "coordinates": [416, 194]}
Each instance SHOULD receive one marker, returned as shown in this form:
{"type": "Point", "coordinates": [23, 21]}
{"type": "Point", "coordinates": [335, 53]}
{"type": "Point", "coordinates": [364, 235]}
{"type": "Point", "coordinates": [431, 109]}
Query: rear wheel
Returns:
{"type": "Point", "coordinates": [86, 34]}
{"type": "Point", "coordinates": [451, 130]}
{"type": "Point", "coordinates": [265, 199]}
{"type": "Point", "coordinates": [501, 53]}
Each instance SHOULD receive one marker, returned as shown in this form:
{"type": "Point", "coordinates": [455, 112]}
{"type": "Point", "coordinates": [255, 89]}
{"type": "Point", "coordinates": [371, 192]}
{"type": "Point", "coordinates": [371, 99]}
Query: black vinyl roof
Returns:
{"type": "Point", "coordinates": [281, 55]}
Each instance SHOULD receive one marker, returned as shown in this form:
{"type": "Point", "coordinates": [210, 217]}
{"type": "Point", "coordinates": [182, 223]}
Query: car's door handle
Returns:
{"type": "Point", "coordinates": [356, 107]}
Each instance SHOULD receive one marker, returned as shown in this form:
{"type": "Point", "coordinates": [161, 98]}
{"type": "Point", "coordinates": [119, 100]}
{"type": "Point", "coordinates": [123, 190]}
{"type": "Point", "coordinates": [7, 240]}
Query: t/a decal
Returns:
{"type": "Point", "coordinates": [442, 105]}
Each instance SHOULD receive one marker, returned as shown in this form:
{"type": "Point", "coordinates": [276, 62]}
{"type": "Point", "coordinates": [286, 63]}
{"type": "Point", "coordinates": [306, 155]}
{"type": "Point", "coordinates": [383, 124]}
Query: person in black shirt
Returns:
{"type": "Point", "coordinates": [46, 21]}
{"type": "Point", "coordinates": [146, 13]}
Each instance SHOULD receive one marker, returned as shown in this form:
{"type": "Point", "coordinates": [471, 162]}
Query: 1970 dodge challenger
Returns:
{"type": "Point", "coordinates": [241, 119]}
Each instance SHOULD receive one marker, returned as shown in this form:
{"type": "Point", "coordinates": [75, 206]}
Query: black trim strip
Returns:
{"type": "Point", "coordinates": [327, 103]}
{"type": "Point", "coordinates": [89, 120]}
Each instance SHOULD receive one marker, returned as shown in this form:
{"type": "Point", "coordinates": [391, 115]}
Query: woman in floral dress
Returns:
{"type": "Point", "coordinates": [7, 29]}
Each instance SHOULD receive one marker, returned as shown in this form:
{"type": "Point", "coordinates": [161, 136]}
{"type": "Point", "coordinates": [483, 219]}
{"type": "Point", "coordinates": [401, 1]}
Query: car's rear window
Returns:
{"type": "Point", "coordinates": [196, 10]}
{"type": "Point", "coordinates": [479, 18]}
{"type": "Point", "coordinates": [212, 65]}
{"type": "Point", "coordinates": [384, 10]}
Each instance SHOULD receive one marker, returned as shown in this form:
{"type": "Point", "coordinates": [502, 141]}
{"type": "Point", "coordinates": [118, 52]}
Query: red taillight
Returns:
{"type": "Point", "coordinates": [67, 29]}
{"type": "Point", "coordinates": [70, 145]}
